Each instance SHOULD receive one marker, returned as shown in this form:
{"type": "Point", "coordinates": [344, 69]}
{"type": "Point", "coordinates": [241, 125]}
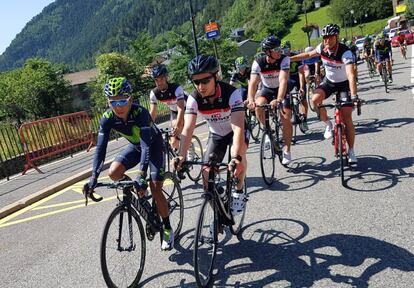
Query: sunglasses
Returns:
{"type": "Point", "coordinates": [328, 37]}
{"type": "Point", "coordinates": [202, 80]}
{"type": "Point", "coordinates": [119, 103]}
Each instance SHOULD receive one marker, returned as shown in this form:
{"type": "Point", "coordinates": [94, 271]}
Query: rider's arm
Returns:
{"type": "Point", "coordinates": [283, 78]}
{"type": "Point", "coordinates": [254, 81]}
{"type": "Point", "coordinates": [302, 80]}
{"type": "Point", "coordinates": [146, 123]}
{"type": "Point", "coordinates": [349, 61]}
{"type": "Point", "coordinates": [237, 121]}
{"type": "Point", "coordinates": [190, 118]}
{"type": "Point", "coordinates": [101, 145]}
{"type": "Point", "coordinates": [180, 107]}
{"type": "Point", "coordinates": [303, 56]}
{"type": "Point", "coordinates": [153, 106]}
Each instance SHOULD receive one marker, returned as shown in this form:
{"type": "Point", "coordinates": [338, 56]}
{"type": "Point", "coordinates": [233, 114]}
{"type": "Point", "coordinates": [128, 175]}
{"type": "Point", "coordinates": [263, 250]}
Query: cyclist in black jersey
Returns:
{"type": "Point", "coordinates": [170, 94]}
{"type": "Point", "coordinates": [272, 70]}
{"type": "Point", "coordinates": [145, 148]}
{"type": "Point", "coordinates": [297, 80]}
{"type": "Point", "coordinates": [383, 52]}
{"type": "Point", "coordinates": [340, 77]}
{"type": "Point", "coordinates": [242, 76]}
{"type": "Point", "coordinates": [221, 105]}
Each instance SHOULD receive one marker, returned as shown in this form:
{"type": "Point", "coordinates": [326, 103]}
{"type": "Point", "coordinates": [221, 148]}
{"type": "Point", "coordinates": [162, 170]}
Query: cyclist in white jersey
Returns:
{"type": "Point", "coordinates": [272, 70]}
{"type": "Point", "coordinates": [340, 77]}
{"type": "Point", "coordinates": [221, 105]}
{"type": "Point", "coordinates": [170, 94]}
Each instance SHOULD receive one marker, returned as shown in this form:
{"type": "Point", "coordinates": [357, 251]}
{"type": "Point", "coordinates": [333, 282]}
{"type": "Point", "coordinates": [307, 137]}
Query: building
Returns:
{"type": "Point", "coordinates": [80, 94]}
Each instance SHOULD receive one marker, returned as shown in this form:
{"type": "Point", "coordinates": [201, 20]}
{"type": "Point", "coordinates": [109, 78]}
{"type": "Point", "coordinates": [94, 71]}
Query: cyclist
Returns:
{"type": "Point", "coordinates": [297, 80]}
{"type": "Point", "coordinates": [145, 148]}
{"type": "Point", "coordinates": [222, 107]}
{"type": "Point", "coordinates": [383, 52]}
{"type": "Point", "coordinates": [354, 50]}
{"type": "Point", "coordinates": [172, 95]}
{"type": "Point", "coordinates": [242, 75]}
{"type": "Point", "coordinates": [402, 43]}
{"type": "Point", "coordinates": [313, 67]}
{"type": "Point", "coordinates": [368, 49]}
{"type": "Point", "coordinates": [272, 70]}
{"type": "Point", "coordinates": [340, 77]}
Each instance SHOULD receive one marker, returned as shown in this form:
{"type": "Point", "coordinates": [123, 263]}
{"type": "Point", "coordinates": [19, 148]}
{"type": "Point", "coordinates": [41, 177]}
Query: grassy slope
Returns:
{"type": "Point", "coordinates": [321, 17]}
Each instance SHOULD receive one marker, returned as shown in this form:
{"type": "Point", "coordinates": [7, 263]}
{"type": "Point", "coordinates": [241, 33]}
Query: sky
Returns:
{"type": "Point", "coordinates": [14, 16]}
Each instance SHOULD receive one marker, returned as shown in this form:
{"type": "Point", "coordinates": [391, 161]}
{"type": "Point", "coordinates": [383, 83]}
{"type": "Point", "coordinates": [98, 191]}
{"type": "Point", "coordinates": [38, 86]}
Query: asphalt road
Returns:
{"type": "Point", "coordinates": [304, 231]}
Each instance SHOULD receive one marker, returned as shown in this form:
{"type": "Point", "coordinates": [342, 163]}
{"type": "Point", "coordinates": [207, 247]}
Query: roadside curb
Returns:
{"type": "Point", "coordinates": [29, 200]}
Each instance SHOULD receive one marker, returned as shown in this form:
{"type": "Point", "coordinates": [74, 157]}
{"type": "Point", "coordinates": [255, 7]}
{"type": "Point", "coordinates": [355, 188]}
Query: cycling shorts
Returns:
{"type": "Point", "coordinates": [271, 94]}
{"type": "Point", "coordinates": [130, 156]}
{"type": "Point", "coordinates": [385, 57]}
{"type": "Point", "coordinates": [218, 145]}
{"type": "Point", "coordinates": [330, 88]}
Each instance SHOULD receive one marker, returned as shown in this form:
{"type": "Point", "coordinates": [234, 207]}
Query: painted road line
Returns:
{"type": "Point", "coordinates": [412, 68]}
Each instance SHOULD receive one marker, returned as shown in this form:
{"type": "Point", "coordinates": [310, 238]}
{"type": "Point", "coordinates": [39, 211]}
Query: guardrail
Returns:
{"type": "Point", "coordinates": [45, 138]}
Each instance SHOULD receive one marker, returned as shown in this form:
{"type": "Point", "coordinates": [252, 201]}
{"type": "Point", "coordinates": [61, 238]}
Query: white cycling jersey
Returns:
{"type": "Point", "coordinates": [335, 61]}
{"type": "Point", "coordinates": [170, 96]}
{"type": "Point", "coordinates": [269, 72]}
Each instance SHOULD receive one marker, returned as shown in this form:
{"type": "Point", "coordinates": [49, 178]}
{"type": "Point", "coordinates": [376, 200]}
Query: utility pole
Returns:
{"type": "Point", "coordinates": [194, 31]}
{"type": "Point", "coordinates": [306, 23]}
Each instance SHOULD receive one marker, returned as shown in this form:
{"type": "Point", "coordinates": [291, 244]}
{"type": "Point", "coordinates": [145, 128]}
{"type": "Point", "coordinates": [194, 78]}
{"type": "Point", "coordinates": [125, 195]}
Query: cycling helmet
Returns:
{"type": "Point", "coordinates": [270, 42]}
{"type": "Point", "coordinates": [309, 49]}
{"type": "Point", "coordinates": [380, 35]}
{"type": "Point", "coordinates": [158, 70]}
{"type": "Point", "coordinates": [241, 62]}
{"type": "Point", "coordinates": [285, 44]}
{"type": "Point", "coordinates": [330, 29]}
{"type": "Point", "coordinates": [118, 86]}
{"type": "Point", "coordinates": [203, 64]}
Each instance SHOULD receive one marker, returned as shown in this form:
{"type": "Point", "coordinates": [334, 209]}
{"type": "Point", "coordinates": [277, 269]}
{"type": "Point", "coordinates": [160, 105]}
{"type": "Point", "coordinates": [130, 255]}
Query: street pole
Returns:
{"type": "Point", "coordinates": [306, 25]}
{"type": "Point", "coordinates": [194, 31]}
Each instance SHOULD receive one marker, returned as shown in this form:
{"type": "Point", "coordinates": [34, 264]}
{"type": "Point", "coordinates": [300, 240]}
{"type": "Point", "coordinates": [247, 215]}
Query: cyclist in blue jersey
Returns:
{"type": "Point", "coordinates": [145, 148]}
{"type": "Point", "coordinates": [242, 75]}
{"type": "Point", "coordinates": [383, 52]}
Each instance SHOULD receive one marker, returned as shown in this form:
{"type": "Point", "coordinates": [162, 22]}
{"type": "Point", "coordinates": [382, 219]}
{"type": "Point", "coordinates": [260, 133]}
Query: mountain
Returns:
{"type": "Point", "coordinates": [72, 31]}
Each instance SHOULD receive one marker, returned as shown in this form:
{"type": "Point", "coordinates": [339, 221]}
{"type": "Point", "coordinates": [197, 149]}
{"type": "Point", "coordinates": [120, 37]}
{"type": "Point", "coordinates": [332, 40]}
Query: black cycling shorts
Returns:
{"type": "Point", "coordinates": [218, 145]}
{"type": "Point", "coordinates": [331, 87]}
{"type": "Point", "coordinates": [271, 94]}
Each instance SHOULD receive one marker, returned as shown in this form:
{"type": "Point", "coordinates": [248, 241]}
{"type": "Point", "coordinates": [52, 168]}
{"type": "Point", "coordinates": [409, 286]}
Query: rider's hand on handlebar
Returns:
{"type": "Point", "coordinates": [236, 167]}
{"type": "Point", "coordinates": [178, 163]}
{"type": "Point", "coordinates": [176, 129]}
{"type": "Point", "coordinates": [250, 104]}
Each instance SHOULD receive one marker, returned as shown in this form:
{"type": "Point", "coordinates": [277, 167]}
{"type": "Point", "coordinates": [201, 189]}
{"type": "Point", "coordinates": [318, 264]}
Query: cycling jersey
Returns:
{"type": "Point", "coordinates": [243, 80]}
{"type": "Point", "coordinates": [383, 52]}
{"type": "Point", "coordinates": [335, 61]}
{"type": "Point", "coordinates": [217, 114]}
{"type": "Point", "coordinates": [170, 96]}
{"type": "Point", "coordinates": [269, 72]}
{"type": "Point", "coordinates": [367, 49]}
{"type": "Point", "coordinates": [401, 39]}
{"type": "Point", "coordinates": [142, 134]}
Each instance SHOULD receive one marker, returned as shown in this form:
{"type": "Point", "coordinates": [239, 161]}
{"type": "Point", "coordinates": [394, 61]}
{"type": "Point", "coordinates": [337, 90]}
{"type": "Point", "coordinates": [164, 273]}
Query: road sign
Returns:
{"type": "Point", "coordinates": [212, 30]}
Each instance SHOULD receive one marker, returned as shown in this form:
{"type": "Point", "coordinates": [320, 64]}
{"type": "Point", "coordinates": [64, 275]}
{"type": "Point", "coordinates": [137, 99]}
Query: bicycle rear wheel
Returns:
{"type": "Point", "coordinates": [123, 248]}
{"type": "Point", "coordinates": [195, 154]}
{"type": "Point", "coordinates": [173, 194]}
{"type": "Point", "coordinates": [205, 245]}
{"type": "Point", "coordinates": [239, 219]}
{"type": "Point", "coordinates": [267, 158]}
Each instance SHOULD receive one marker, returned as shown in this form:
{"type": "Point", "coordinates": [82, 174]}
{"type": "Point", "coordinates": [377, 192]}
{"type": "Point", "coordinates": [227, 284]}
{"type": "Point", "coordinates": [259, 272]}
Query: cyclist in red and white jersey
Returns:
{"type": "Point", "coordinates": [221, 105]}
{"type": "Point", "coordinates": [272, 70]}
{"type": "Point", "coordinates": [340, 77]}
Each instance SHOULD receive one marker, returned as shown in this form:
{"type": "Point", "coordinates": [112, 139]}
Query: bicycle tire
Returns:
{"type": "Point", "coordinates": [254, 127]}
{"type": "Point", "coordinates": [131, 214]}
{"type": "Point", "coordinates": [341, 155]}
{"type": "Point", "coordinates": [205, 278]}
{"type": "Point", "coordinates": [264, 168]}
{"type": "Point", "coordinates": [277, 139]}
{"type": "Point", "coordinates": [309, 93]}
{"type": "Point", "coordinates": [235, 229]}
{"type": "Point", "coordinates": [175, 200]}
{"type": "Point", "coordinates": [194, 172]}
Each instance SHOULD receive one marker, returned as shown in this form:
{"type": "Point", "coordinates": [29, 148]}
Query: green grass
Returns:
{"type": "Point", "coordinates": [321, 17]}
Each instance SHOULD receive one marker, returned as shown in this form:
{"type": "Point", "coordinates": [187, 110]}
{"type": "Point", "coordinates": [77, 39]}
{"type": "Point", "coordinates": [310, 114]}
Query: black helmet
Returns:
{"type": "Point", "coordinates": [158, 70]}
{"type": "Point", "coordinates": [330, 29]}
{"type": "Point", "coordinates": [203, 64]}
{"type": "Point", "coordinates": [270, 42]}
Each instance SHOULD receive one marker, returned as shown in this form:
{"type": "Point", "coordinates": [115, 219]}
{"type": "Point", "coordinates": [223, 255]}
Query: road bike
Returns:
{"type": "Point", "coordinates": [271, 143]}
{"type": "Point", "coordinates": [123, 243]}
{"type": "Point", "coordinates": [252, 124]}
{"type": "Point", "coordinates": [298, 118]}
{"type": "Point", "coordinates": [310, 89]}
{"type": "Point", "coordinates": [384, 74]}
{"type": "Point", "coordinates": [195, 152]}
{"type": "Point", "coordinates": [339, 137]}
{"type": "Point", "coordinates": [213, 216]}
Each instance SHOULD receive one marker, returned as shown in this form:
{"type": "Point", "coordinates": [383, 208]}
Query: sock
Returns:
{"type": "Point", "coordinates": [166, 222]}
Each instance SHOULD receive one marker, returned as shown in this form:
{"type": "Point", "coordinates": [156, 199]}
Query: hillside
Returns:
{"type": "Point", "coordinates": [72, 31]}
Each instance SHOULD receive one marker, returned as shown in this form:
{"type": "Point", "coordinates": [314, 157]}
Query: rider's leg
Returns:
{"type": "Point", "coordinates": [261, 100]}
{"type": "Point", "coordinates": [116, 171]}
{"type": "Point", "coordinates": [243, 150]}
{"type": "Point", "coordinates": [346, 113]}
{"type": "Point", "coordinates": [317, 100]}
{"type": "Point", "coordinates": [128, 158]}
{"type": "Point", "coordinates": [389, 68]}
{"type": "Point", "coordinates": [174, 141]}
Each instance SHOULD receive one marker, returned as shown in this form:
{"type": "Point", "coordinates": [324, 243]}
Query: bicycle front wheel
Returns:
{"type": "Point", "coordinates": [254, 126]}
{"type": "Point", "coordinates": [205, 246]}
{"type": "Point", "coordinates": [239, 218]}
{"type": "Point", "coordinates": [123, 248]}
{"type": "Point", "coordinates": [172, 192]}
{"type": "Point", "coordinates": [267, 158]}
{"type": "Point", "coordinates": [195, 153]}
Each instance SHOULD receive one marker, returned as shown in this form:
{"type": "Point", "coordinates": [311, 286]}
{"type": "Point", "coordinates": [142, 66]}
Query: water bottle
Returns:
{"type": "Point", "coordinates": [222, 194]}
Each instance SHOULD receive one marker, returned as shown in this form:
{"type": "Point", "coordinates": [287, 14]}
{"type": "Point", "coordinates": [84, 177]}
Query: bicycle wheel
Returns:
{"type": "Point", "coordinates": [254, 126]}
{"type": "Point", "coordinates": [195, 153]}
{"type": "Point", "coordinates": [239, 219]}
{"type": "Point", "coordinates": [341, 155]}
{"type": "Point", "coordinates": [309, 94]}
{"type": "Point", "coordinates": [123, 248]}
{"type": "Point", "coordinates": [205, 246]}
{"type": "Point", "coordinates": [267, 158]}
{"type": "Point", "coordinates": [173, 194]}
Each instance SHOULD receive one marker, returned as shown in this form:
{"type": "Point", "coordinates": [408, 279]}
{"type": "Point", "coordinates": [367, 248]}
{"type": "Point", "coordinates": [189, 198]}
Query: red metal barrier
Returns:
{"type": "Point", "coordinates": [48, 137]}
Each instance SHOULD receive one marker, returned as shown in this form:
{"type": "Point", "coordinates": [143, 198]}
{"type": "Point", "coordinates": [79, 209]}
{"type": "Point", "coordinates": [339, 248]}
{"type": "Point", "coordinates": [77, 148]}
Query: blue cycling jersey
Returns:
{"type": "Point", "coordinates": [138, 130]}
